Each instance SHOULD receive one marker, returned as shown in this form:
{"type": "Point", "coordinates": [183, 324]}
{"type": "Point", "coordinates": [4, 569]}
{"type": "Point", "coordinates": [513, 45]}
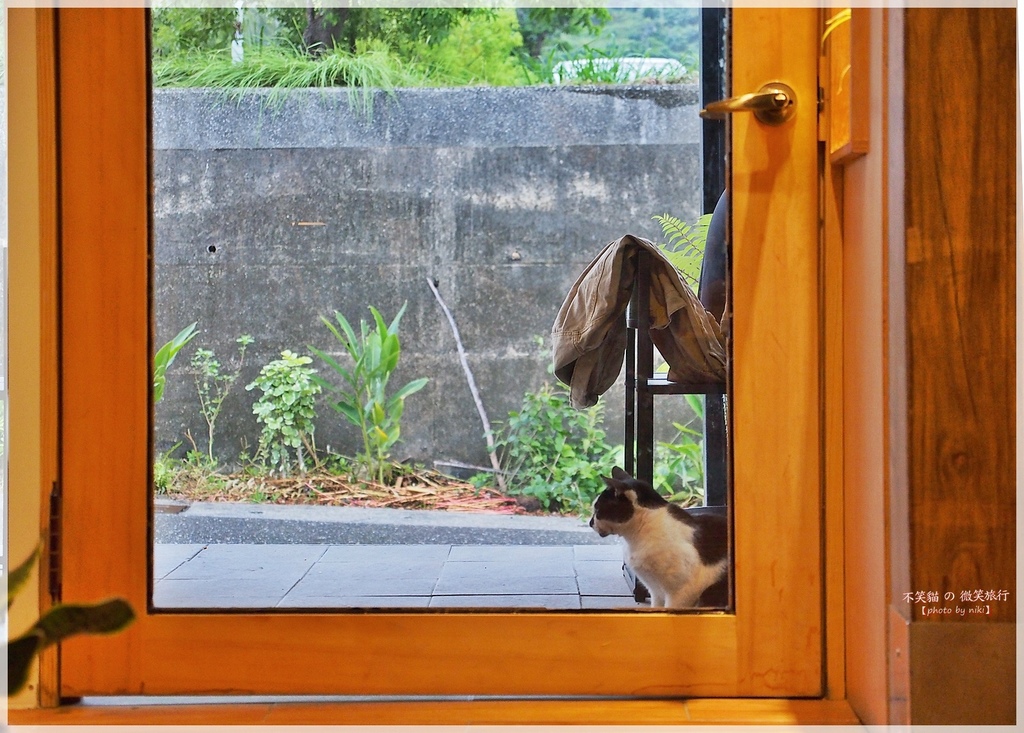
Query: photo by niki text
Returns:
{"type": "Point", "coordinates": [965, 603]}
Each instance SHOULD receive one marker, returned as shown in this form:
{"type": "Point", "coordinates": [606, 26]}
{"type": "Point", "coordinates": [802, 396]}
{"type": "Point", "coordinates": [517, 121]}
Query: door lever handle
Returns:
{"type": "Point", "coordinates": [772, 104]}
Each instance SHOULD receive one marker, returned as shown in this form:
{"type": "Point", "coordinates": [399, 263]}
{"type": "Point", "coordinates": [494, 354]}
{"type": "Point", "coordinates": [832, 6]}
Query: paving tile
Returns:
{"type": "Point", "coordinates": [526, 554]}
{"type": "Point", "coordinates": [501, 578]}
{"type": "Point", "coordinates": [598, 552]}
{"type": "Point", "coordinates": [239, 562]}
{"type": "Point", "coordinates": [410, 577]}
{"type": "Point", "coordinates": [554, 602]}
{"type": "Point", "coordinates": [167, 557]}
{"type": "Point", "coordinates": [251, 593]}
{"type": "Point", "coordinates": [606, 568]}
{"type": "Point", "coordinates": [610, 602]}
{"type": "Point", "coordinates": [383, 602]}
{"type": "Point", "coordinates": [385, 554]}
{"type": "Point", "coordinates": [551, 566]}
{"type": "Point", "coordinates": [601, 578]}
{"type": "Point", "coordinates": [390, 576]}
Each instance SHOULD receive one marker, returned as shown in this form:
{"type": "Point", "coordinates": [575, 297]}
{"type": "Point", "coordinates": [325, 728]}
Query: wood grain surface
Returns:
{"type": "Point", "coordinates": [961, 195]}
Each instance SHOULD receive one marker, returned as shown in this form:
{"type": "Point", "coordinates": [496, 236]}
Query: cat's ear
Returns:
{"type": "Point", "coordinates": [619, 475]}
{"type": "Point", "coordinates": [613, 483]}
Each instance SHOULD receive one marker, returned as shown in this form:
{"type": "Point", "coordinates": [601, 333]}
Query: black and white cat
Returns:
{"type": "Point", "coordinates": [681, 557]}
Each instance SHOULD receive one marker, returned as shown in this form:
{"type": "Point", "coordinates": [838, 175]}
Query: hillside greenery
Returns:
{"type": "Point", "coordinates": [658, 32]}
{"type": "Point", "coordinates": [390, 48]}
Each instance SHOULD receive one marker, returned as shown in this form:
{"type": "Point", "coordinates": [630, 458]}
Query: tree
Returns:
{"type": "Point", "coordinates": [324, 29]}
{"type": "Point", "coordinates": [186, 30]}
{"type": "Point", "coordinates": [318, 30]}
{"type": "Point", "coordinates": [315, 29]}
{"type": "Point", "coordinates": [538, 25]}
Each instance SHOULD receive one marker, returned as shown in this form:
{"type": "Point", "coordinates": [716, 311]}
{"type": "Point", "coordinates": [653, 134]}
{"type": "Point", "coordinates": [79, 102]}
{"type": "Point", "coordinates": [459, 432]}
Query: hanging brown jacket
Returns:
{"type": "Point", "coordinates": [589, 334]}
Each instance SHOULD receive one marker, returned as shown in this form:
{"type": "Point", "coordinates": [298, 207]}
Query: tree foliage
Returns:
{"type": "Point", "coordinates": [188, 30]}
{"type": "Point", "coordinates": [479, 49]}
{"type": "Point", "coordinates": [538, 25]}
{"type": "Point", "coordinates": [318, 31]}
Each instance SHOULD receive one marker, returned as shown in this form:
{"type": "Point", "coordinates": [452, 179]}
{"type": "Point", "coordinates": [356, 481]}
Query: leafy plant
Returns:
{"type": "Point", "coordinates": [286, 409]}
{"type": "Point", "coordinates": [164, 357]}
{"type": "Point", "coordinates": [258, 496]}
{"type": "Point", "coordinates": [192, 474]}
{"type": "Point", "coordinates": [555, 453]}
{"type": "Point", "coordinates": [363, 397]}
{"type": "Point", "coordinates": [165, 469]}
{"type": "Point", "coordinates": [685, 246]}
{"type": "Point", "coordinates": [213, 387]}
{"type": "Point", "coordinates": [58, 623]}
{"type": "Point", "coordinates": [679, 464]}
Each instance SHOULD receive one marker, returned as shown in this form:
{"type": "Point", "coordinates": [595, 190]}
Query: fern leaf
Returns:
{"type": "Point", "coordinates": [685, 246]}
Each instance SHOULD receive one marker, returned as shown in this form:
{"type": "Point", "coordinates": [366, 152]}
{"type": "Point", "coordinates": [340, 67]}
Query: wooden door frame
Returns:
{"type": "Point", "coordinates": [93, 226]}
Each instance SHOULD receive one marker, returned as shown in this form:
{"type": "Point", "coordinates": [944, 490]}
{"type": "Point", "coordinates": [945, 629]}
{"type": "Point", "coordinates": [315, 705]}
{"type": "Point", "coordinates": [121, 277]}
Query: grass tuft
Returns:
{"type": "Point", "coordinates": [282, 70]}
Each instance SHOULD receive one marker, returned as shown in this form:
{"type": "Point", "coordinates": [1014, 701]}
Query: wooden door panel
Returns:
{"type": "Point", "coordinates": [771, 645]}
{"type": "Point", "coordinates": [776, 355]}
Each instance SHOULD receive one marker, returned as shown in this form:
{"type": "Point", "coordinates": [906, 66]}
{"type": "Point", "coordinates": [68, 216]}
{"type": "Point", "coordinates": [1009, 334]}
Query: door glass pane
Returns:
{"type": "Point", "coordinates": [365, 224]}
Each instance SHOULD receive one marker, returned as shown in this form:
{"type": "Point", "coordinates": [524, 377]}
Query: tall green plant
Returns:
{"type": "Point", "coordinates": [685, 246]}
{"type": "Point", "coordinates": [213, 387]}
{"type": "Point", "coordinates": [555, 453]}
{"type": "Point", "coordinates": [286, 409]}
{"type": "Point", "coordinates": [164, 357]}
{"type": "Point", "coordinates": [363, 397]}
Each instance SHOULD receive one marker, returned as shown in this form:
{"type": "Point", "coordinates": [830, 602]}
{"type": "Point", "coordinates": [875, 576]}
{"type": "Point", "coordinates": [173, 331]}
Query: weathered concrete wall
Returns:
{"type": "Point", "coordinates": [269, 215]}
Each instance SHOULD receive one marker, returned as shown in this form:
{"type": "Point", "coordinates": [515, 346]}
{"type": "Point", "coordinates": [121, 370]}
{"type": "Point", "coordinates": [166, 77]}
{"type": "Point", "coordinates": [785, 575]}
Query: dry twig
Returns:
{"type": "Point", "coordinates": [488, 433]}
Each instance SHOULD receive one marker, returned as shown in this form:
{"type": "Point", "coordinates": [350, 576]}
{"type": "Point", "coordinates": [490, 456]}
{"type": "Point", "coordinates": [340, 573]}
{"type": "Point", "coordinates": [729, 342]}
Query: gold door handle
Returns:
{"type": "Point", "coordinates": [772, 104]}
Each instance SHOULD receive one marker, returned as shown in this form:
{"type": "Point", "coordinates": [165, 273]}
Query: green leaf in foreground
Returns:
{"type": "Point", "coordinates": [58, 624]}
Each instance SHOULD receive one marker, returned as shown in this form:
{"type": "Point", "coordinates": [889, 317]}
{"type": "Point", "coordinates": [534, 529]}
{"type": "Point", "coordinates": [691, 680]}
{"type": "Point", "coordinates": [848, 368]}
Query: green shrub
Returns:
{"type": "Point", "coordinates": [555, 453]}
{"type": "Point", "coordinates": [286, 409]}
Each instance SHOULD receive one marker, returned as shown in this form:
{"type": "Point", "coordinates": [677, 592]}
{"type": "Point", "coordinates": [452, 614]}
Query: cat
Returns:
{"type": "Point", "coordinates": [681, 557]}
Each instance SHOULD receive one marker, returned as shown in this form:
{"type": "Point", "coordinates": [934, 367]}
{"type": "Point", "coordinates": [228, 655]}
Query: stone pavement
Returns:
{"type": "Point", "coordinates": [223, 555]}
{"type": "Point", "coordinates": [304, 576]}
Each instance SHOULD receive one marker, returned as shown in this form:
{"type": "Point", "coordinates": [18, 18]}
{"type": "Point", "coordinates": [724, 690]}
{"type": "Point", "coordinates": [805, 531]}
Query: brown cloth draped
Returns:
{"type": "Point", "coordinates": [589, 334]}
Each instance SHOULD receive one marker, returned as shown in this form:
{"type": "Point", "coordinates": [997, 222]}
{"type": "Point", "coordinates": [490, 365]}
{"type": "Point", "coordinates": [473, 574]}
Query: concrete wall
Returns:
{"type": "Point", "coordinates": [270, 212]}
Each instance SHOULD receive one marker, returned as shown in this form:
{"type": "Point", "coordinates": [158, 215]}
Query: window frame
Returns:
{"type": "Point", "coordinates": [771, 645]}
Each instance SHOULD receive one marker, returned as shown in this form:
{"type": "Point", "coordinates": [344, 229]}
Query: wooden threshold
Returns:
{"type": "Point", "coordinates": [482, 712]}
